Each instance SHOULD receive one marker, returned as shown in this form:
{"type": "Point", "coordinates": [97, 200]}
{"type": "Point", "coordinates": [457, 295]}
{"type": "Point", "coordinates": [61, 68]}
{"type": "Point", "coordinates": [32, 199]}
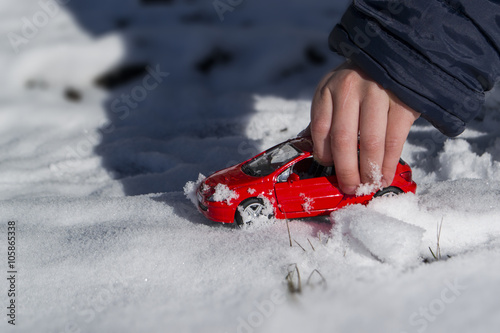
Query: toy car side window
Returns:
{"type": "Point", "coordinates": [301, 168]}
{"type": "Point", "coordinates": [308, 168]}
{"type": "Point", "coordinates": [283, 177]}
{"type": "Point", "coordinates": [317, 170]}
{"type": "Point", "coordinates": [330, 171]}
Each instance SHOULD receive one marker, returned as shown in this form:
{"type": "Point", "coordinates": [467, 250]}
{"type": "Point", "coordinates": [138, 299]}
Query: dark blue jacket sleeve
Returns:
{"type": "Point", "coordinates": [438, 56]}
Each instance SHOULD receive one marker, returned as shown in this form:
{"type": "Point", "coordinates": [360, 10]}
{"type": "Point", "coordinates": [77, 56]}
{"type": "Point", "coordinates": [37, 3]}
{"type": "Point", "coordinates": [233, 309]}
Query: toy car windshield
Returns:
{"type": "Point", "coordinates": [271, 160]}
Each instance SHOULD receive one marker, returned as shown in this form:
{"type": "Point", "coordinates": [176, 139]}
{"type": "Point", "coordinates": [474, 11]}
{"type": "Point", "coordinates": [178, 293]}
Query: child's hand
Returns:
{"type": "Point", "coordinates": [348, 103]}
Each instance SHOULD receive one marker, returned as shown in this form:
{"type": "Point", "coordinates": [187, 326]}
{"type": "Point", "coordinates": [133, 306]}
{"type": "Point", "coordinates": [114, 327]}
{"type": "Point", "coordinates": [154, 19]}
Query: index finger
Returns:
{"type": "Point", "coordinates": [321, 121]}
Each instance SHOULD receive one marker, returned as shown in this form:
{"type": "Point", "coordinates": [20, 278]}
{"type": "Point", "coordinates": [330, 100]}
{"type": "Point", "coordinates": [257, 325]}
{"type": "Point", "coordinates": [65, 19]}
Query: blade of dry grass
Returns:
{"type": "Point", "coordinates": [289, 235]}
{"type": "Point", "coordinates": [299, 245]}
{"type": "Point", "coordinates": [311, 244]}
{"type": "Point", "coordinates": [323, 280]}
{"type": "Point", "coordinates": [437, 255]}
{"type": "Point", "coordinates": [289, 277]}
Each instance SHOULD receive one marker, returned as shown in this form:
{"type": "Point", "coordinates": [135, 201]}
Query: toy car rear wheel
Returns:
{"type": "Point", "coordinates": [249, 211]}
{"type": "Point", "coordinates": [390, 191]}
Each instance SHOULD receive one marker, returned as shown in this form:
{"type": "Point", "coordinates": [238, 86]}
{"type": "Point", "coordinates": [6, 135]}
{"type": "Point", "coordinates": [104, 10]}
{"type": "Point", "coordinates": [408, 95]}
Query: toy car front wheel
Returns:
{"type": "Point", "coordinates": [390, 191]}
{"type": "Point", "coordinates": [249, 211]}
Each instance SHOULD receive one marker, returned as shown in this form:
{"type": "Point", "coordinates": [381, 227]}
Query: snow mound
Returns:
{"type": "Point", "coordinates": [386, 238]}
{"type": "Point", "coordinates": [458, 160]}
{"type": "Point", "coordinates": [468, 208]}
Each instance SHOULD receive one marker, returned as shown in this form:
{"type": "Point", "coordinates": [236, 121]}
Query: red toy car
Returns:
{"type": "Point", "coordinates": [284, 182]}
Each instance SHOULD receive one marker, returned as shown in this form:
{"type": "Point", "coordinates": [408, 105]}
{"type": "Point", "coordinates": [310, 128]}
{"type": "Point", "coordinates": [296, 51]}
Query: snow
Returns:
{"type": "Point", "coordinates": [374, 185]}
{"type": "Point", "coordinates": [308, 202]}
{"type": "Point", "coordinates": [459, 161]}
{"type": "Point", "coordinates": [385, 238]}
{"type": "Point", "coordinates": [263, 220]}
{"type": "Point", "coordinates": [106, 240]}
{"type": "Point", "coordinates": [191, 188]}
{"type": "Point", "coordinates": [224, 193]}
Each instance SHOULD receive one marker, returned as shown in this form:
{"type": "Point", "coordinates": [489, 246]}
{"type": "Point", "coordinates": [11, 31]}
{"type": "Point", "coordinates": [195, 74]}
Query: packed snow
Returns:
{"type": "Point", "coordinates": [92, 178]}
{"type": "Point", "coordinates": [259, 217]}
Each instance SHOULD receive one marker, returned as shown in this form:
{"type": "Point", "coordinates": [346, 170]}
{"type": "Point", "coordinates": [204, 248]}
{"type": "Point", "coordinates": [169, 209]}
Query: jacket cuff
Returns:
{"type": "Point", "coordinates": [441, 99]}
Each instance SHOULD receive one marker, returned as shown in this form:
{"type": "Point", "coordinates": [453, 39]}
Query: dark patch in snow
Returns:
{"type": "Point", "coordinates": [121, 75]}
{"type": "Point", "coordinates": [215, 58]}
{"type": "Point", "coordinates": [122, 22]}
{"type": "Point", "coordinates": [197, 17]}
{"type": "Point", "coordinates": [73, 95]}
{"type": "Point", "coordinates": [292, 70]}
{"type": "Point", "coordinates": [314, 56]}
{"type": "Point", "coordinates": [156, 2]}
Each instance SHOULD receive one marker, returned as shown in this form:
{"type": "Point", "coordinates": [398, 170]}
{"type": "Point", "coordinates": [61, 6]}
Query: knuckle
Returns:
{"type": "Point", "coordinates": [372, 143]}
{"type": "Point", "coordinates": [376, 90]}
{"type": "Point", "coordinates": [346, 82]}
{"type": "Point", "coordinates": [341, 139]}
{"type": "Point", "coordinates": [324, 92]}
{"type": "Point", "coordinates": [393, 144]}
{"type": "Point", "coordinates": [351, 76]}
{"type": "Point", "coordinates": [320, 127]}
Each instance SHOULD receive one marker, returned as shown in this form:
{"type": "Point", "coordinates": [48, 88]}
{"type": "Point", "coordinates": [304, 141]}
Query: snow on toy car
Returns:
{"type": "Point", "coordinates": [285, 182]}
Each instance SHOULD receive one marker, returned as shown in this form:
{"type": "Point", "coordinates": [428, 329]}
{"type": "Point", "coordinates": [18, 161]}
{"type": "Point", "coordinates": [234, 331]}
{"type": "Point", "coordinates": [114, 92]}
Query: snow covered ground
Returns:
{"type": "Point", "coordinates": [107, 242]}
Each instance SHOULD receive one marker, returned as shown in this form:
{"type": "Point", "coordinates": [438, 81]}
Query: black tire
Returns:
{"type": "Point", "coordinates": [248, 211]}
{"type": "Point", "coordinates": [388, 192]}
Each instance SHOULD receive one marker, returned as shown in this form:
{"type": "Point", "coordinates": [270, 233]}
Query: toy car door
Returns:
{"type": "Point", "coordinates": [309, 189]}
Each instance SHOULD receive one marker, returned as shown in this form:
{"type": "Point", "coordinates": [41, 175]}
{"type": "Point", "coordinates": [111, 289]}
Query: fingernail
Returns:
{"type": "Point", "coordinates": [385, 183]}
{"type": "Point", "coordinates": [349, 189]}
